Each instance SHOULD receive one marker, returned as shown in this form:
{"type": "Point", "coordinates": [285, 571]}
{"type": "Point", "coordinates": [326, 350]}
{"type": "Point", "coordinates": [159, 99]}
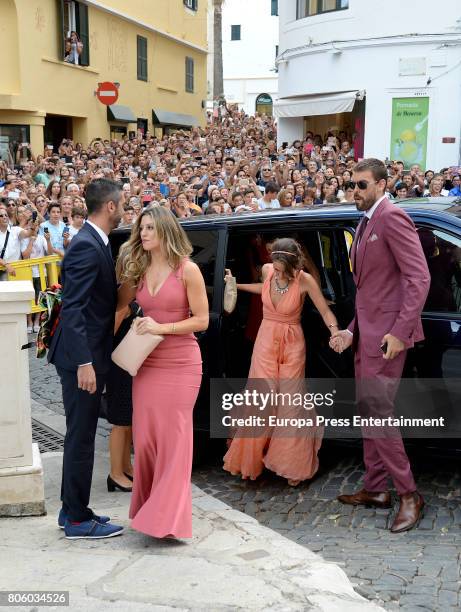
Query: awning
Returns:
{"type": "Point", "coordinates": [307, 106]}
{"type": "Point", "coordinates": [117, 112]}
{"type": "Point", "coordinates": [162, 117]}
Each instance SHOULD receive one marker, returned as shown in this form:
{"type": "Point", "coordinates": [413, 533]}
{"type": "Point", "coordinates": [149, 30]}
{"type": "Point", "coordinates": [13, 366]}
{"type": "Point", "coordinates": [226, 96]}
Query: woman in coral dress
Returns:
{"type": "Point", "coordinates": [171, 292]}
{"type": "Point", "coordinates": [279, 357]}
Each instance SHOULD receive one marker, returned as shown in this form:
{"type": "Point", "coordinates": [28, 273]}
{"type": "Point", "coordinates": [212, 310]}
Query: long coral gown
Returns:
{"type": "Point", "coordinates": [279, 357]}
{"type": "Point", "coordinates": [164, 393]}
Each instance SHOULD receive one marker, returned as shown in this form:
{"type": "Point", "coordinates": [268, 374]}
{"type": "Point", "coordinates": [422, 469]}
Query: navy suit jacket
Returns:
{"type": "Point", "coordinates": [86, 328]}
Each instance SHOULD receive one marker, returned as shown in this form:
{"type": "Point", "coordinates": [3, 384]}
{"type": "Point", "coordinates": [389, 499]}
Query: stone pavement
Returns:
{"type": "Point", "coordinates": [412, 571]}
{"type": "Point", "coordinates": [231, 563]}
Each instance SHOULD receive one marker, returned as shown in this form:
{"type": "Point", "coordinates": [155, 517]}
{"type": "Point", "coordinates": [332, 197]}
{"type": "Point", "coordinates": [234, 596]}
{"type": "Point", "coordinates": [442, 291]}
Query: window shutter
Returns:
{"type": "Point", "coordinates": [142, 58]}
{"type": "Point", "coordinates": [61, 33]}
{"type": "Point", "coordinates": [189, 75]}
{"type": "Point", "coordinates": [84, 33]}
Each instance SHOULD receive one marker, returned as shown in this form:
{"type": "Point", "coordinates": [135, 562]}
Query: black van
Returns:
{"type": "Point", "coordinates": [326, 233]}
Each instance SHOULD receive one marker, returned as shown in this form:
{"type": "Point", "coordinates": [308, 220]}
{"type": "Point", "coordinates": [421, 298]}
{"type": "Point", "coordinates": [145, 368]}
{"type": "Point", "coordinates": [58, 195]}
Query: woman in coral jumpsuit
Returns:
{"type": "Point", "coordinates": [279, 357]}
{"type": "Point", "coordinates": [171, 292]}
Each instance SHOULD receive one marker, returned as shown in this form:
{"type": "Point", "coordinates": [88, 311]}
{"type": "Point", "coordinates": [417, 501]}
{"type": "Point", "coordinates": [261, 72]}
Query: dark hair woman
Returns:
{"type": "Point", "coordinates": [279, 357]}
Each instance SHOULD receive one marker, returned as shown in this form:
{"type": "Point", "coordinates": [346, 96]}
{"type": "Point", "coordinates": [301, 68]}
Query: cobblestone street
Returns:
{"type": "Point", "coordinates": [412, 571]}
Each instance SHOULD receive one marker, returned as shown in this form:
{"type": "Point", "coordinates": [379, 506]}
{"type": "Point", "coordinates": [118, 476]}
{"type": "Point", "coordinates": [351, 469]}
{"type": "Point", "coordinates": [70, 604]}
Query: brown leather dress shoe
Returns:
{"type": "Point", "coordinates": [367, 498]}
{"type": "Point", "coordinates": [409, 514]}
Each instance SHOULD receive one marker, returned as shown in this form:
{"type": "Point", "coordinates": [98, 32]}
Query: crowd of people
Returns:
{"type": "Point", "coordinates": [232, 166]}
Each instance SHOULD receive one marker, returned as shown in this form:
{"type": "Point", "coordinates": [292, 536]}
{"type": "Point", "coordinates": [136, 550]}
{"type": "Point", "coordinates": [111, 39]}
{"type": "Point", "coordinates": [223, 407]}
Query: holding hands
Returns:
{"type": "Point", "coordinates": [340, 340]}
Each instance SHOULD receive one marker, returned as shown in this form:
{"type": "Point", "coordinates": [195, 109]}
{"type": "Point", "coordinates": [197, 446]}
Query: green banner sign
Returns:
{"type": "Point", "coordinates": [410, 117]}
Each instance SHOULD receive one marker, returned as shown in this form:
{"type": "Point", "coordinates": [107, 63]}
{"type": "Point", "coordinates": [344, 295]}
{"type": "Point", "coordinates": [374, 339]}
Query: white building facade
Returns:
{"type": "Point", "coordinates": [250, 41]}
{"type": "Point", "coordinates": [388, 74]}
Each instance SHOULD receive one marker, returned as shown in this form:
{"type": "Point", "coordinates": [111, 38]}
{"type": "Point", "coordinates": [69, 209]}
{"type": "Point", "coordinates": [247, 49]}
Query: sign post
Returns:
{"type": "Point", "coordinates": [107, 93]}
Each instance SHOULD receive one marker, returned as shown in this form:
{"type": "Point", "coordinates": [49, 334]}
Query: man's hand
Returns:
{"type": "Point", "coordinates": [11, 271]}
{"type": "Point", "coordinates": [341, 340]}
{"type": "Point", "coordinates": [394, 346]}
{"type": "Point", "coordinates": [86, 377]}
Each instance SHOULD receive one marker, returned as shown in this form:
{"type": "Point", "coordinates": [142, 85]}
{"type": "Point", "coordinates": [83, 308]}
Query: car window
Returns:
{"type": "Point", "coordinates": [205, 244]}
{"type": "Point", "coordinates": [443, 256]}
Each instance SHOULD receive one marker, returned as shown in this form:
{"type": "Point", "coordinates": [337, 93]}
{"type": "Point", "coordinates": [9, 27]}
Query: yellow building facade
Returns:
{"type": "Point", "coordinates": [155, 50]}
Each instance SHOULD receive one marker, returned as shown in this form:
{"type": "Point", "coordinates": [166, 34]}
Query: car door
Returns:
{"type": "Point", "coordinates": [209, 244]}
{"type": "Point", "coordinates": [436, 362]}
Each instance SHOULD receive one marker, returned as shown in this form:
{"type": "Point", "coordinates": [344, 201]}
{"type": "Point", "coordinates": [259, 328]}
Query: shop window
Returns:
{"type": "Point", "coordinates": [443, 255]}
{"type": "Point", "coordinates": [117, 132]}
{"type": "Point", "coordinates": [74, 32]}
{"type": "Point", "coordinates": [142, 58]}
{"type": "Point", "coordinates": [307, 8]}
{"type": "Point", "coordinates": [189, 75]}
{"type": "Point", "coordinates": [236, 32]}
{"type": "Point", "coordinates": [11, 136]}
{"type": "Point", "coordinates": [191, 4]}
{"type": "Point", "coordinates": [275, 7]}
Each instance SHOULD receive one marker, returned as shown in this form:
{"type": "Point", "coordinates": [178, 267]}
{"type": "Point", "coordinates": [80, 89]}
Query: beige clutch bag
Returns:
{"type": "Point", "coordinates": [134, 349]}
{"type": "Point", "coordinates": [230, 295]}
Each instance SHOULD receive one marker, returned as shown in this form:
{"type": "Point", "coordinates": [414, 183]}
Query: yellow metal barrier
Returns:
{"type": "Point", "coordinates": [48, 269]}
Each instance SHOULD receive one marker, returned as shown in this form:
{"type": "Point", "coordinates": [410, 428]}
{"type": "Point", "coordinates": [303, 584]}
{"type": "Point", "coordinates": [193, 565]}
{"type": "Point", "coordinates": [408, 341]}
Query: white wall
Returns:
{"type": "Point", "coordinates": [371, 64]}
{"type": "Point", "coordinates": [249, 63]}
{"type": "Point", "coordinates": [367, 19]}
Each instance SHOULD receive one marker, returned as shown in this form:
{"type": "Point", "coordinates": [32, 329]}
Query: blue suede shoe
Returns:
{"type": "Point", "coordinates": [62, 519]}
{"type": "Point", "coordinates": [90, 530]}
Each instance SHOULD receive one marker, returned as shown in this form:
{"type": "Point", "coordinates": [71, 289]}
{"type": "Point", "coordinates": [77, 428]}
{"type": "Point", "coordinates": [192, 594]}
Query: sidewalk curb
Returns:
{"type": "Point", "coordinates": [232, 562]}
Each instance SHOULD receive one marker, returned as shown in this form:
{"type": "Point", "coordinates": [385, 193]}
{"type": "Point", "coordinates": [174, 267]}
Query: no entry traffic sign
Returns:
{"type": "Point", "coordinates": [107, 93]}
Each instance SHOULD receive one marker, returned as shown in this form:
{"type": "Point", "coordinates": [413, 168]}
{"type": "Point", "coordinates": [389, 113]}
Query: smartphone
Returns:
{"type": "Point", "coordinates": [46, 230]}
{"type": "Point", "coordinates": [125, 179]}
{"type": "Point", "coordinates": [50, 147]}
{"type": "Point", "coordinates": [164, 190]}
{"type": "Point", "coordinates": [65, 230]}
{"type": "Point", "coordinates": [284, 145]}
{"type": "Point", "coordinates": [34, 216]}
{"type": "Point", "coordinates": [173, 179]}
{"type": "Point", "coordinates": [384, 347]}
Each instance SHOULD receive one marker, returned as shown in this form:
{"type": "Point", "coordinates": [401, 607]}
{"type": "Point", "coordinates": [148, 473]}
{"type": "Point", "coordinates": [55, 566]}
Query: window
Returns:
{"type": "Point", "coordinates": [275, 7]}
{"type": "Point", "coordinates": [11, 136]}
{"type": "Point", "coordinates": [189, 75]}
{"type": "Point", "coordinates": [75, 33]}
{"type": "Point", "coordinates": [142, 58]}
{"type": "Point", "coordinates": [191, 4]}
{"type": "Point", "coordinates": [235, 32]}
{"type": "Point", "coordinates": [443, 255]}
{"type": "Point", "coordinates": [205, 245]}
{"type": "Point", "coordinates": [307, 8]}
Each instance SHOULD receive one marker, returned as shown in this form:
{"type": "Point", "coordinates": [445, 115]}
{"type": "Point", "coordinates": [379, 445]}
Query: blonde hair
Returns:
{"type": "Point", "coordinates": [172, 237]}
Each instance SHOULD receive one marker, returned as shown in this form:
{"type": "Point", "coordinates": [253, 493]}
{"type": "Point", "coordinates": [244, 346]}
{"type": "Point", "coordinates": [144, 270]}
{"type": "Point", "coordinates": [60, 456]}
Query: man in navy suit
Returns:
{"type": "Point", "coordinates": [81, 351]}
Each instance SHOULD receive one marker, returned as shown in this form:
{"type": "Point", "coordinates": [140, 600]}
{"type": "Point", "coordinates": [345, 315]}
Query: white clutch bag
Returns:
{"type": "Point", "coordinates": [230, 295]}
{"type": "Point", "coordinates": [134, 349]}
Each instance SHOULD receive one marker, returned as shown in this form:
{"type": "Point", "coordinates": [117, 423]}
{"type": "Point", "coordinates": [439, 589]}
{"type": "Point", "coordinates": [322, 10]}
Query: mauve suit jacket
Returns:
{"type": "Point", "coordinates": [392, 279]}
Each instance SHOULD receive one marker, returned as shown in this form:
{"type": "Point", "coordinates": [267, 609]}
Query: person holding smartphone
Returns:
{"type": "Point", "coordinates": [34, 247]}
{"type": "Point", "coordinates": [392, 278]}
{"type": "Point", "coordinates": [53, 230]}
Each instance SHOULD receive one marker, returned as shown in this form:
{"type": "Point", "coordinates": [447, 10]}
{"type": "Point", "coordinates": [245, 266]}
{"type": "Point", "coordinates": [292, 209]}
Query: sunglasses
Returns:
{"type": "Point", "coordinates": [362, 185]}
{"type": "Point", "coordinates": [10, 204]}
{"type": "Point", "coordinates": [3, 216]}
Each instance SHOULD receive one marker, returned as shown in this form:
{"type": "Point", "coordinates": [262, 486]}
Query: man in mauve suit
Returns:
{"type": "Point", "coordinates": [81, 351]}
{"type": "Point", "coordinates": [392, 279]}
